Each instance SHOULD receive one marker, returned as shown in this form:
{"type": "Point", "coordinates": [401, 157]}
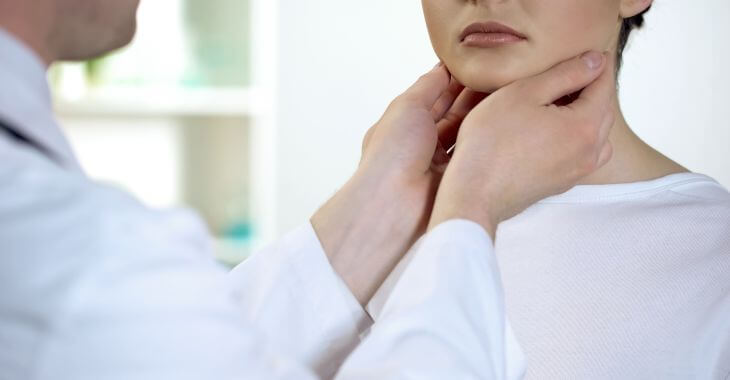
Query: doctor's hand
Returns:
{"type": "Point", "coordinates": [517, 147]}
{"type": "Point", "coordinates": [374, 219]}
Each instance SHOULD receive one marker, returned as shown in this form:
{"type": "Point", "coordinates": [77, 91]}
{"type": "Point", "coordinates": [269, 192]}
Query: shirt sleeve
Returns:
{"type": "Point", "coordinates": [445, 317]}
{"type": "Point", "coordinates": [293, 281]}
{"type": "Point", "coordinates": [99, 287]}
{"type": "Point", "coordinates": [114, 291]}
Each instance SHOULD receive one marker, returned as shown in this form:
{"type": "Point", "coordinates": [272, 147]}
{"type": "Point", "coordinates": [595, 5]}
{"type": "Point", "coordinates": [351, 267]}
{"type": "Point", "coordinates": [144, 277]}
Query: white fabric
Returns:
{"type": "Point", "coordinates": [440, 321]}
{"type": "Point", "coordinates": [25, 98]}
{"type": "Point", "coordinates": [298, 303]}
{"type": "Point", "coordinates": [93, 285]}
{"type": "Point", "coordinates": [624, 281]}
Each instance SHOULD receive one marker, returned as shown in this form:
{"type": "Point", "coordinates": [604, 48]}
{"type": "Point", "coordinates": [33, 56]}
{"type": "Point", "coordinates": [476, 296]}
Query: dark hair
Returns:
{"type": "Point", "coordinates": [628, 26]}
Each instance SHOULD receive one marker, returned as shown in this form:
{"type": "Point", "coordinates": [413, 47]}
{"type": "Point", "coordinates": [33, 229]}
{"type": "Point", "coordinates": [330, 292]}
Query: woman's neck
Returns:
{"type": "Point", "coordinates": [633, 160]}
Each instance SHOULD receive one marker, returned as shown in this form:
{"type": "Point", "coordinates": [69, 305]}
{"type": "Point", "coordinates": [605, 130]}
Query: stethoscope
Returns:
{"type": "Point", "coordinates": [21, 138]}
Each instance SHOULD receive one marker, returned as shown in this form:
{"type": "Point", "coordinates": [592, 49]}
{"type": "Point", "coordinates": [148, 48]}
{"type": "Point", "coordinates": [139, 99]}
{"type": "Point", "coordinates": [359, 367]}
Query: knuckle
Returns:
{"type": "Point", "coordinates": [367, 137]}
{"type": "Point", "coordinates": [369, 133]}
{"type": "Point", "coordinates": [453, 118]}
{"type": "Point", "coordinates": [427, 75]}
{"type": "Point", "coordinates": [424, 78]}
{"type": "Point", "coordinates": [587, 152]}
{"type": "Point", "coordinates": [401, 102]}
{"type": "Point", "coordinates": [405, 100]}
{"type": "Point", "coordinates": [606, 153]}
{"type": "Point", "coordinates": [399, 99]}
{"type": "Point", "coordinates": [587, 165]}
{"type": "Point", "coordinates": [609, 149]}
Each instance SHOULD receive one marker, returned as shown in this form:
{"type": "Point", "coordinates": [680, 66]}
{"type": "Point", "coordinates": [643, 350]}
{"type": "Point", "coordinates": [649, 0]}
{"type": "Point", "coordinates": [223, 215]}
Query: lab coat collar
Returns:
{"type": "Point", "coordinates": [25, 99]}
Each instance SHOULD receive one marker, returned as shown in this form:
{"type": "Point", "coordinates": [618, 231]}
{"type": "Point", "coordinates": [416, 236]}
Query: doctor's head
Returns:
{"type": "Point", "coordinates": [70, 29]}
{"type": "Point", "coordinates": [489, 43]}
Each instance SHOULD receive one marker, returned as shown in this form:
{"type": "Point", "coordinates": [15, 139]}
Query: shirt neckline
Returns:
{"type": "Point", "coordinates": [25, 99]}
{"type": "Point", "coordinates": [633, 190]}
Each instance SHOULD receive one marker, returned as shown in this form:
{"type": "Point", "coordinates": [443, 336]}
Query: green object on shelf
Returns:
{"type": "Point", "coordinates": [240, 231]}
{"type": "Point", "coordinates": [94, 70]}
{"type": "Point", "coordinates": [235, 244]}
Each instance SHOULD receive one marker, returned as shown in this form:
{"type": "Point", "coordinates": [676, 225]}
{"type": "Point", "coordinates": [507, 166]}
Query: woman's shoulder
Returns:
{"type": "Point", "coordinates": [702, 188]}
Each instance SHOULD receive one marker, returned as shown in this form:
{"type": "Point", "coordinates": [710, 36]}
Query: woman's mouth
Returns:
{"type": "Point", "coordinates": [489, 34]}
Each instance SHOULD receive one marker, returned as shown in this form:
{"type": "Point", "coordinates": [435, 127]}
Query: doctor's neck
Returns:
{"type": "Point", "coordinates": [70, 30]}
{"type": "Point", "coordinates": [27, 22]}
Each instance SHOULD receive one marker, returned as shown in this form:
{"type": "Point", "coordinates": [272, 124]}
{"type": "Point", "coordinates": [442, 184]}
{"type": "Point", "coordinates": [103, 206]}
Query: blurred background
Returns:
{"type": "Point", "coordinates": [252, 111]}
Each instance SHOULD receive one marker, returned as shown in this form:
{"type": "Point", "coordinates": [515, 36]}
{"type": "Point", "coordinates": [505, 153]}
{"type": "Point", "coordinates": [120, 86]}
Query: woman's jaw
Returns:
{"type": "Point", "coordinates": [487, 69]}
{"type": "Point", "coordinates": [488, 46]}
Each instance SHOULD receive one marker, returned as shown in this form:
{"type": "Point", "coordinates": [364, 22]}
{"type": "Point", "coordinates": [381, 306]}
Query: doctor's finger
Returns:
{"type": "Point", "coordinates": [446, 100]}
{"type": "Point", "coordinates": [428, 88]}
{"type": "Point", "coordinates": [448, 126]}
{"type": "Point", "coordinates": [600, 93]}
{"type": "Point", "coordinates": [606, 154]}
{"type": "Point", "coordinates": [566, 78]}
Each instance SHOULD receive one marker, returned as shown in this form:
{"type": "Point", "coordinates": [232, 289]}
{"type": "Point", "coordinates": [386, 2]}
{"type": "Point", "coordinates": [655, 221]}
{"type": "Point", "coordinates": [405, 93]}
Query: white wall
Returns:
{"type": "Point", "coordinates": [676, 84]}
{"type": "Point", "coordinates": [341, 62]}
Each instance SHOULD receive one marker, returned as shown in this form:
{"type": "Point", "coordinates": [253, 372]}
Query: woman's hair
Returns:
{"type": "Point", "coordinates": [627, 27]}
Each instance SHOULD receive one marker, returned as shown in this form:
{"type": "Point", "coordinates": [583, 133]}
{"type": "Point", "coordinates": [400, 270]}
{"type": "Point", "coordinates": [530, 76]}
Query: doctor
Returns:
{"type": "Point", "coordinates": [94, 285]}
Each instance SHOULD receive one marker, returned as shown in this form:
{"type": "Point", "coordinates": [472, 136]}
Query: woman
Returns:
{"type": "Point", "coordinates": [626, 276]}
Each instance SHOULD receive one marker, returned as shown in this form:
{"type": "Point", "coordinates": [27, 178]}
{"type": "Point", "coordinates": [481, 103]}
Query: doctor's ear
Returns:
{"type": "Point", "coordinates": [631, 8]}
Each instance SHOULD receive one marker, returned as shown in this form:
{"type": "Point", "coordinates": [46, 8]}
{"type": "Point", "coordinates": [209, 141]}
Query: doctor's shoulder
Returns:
{"type": "Point", "coordinates": [53, 212]}
{"type": "Point", "coordinates": [59, 229]}
{"type": "Point", "coordinates": [83, 264]}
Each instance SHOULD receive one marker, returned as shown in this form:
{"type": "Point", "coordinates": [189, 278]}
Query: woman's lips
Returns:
{"type": "Point", "coordinates": [489, 34]}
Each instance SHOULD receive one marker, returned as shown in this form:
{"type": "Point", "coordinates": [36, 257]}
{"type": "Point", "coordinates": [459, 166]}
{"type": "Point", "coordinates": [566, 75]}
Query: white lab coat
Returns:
{"type": "Point", "coordinates": [94, 285]}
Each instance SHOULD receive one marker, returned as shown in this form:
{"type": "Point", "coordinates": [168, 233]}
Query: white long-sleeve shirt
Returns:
{"type": "Point", "coordinates": [622, 281]}
{"type": "Point", "coordinates": [93, 285]}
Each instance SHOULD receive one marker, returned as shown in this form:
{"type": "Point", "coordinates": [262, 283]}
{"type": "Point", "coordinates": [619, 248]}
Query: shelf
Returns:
{"type": "Point", "coordinates": [130, 102]}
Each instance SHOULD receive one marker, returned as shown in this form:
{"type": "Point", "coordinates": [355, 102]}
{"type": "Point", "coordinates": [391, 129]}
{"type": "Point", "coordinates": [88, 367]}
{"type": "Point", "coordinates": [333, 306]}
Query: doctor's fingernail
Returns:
{"type": "Point", "coordinates": [592, 59]}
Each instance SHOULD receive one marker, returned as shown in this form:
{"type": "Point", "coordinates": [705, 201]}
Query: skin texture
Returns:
{"type": "Point", "coordinates": [60, 30]}
{"type": "Point", "coordinates": [555, 31]}
{"type": "Point", "coordinates": [490, 140]}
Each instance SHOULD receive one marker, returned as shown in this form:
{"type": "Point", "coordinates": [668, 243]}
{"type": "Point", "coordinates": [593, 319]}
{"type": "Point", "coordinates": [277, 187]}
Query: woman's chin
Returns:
{"type": "Point", "coordinates": [489, 75]}
{"type": "Point", "coordinates": [480, 81]}
{"type": "Point", "coordinates": [484, 84]}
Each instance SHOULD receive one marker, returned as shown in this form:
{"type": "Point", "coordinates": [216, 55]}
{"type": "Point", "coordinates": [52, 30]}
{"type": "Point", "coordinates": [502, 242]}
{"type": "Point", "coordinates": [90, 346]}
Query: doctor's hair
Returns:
{"type": "Point", "coordinates": [628, 26]}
